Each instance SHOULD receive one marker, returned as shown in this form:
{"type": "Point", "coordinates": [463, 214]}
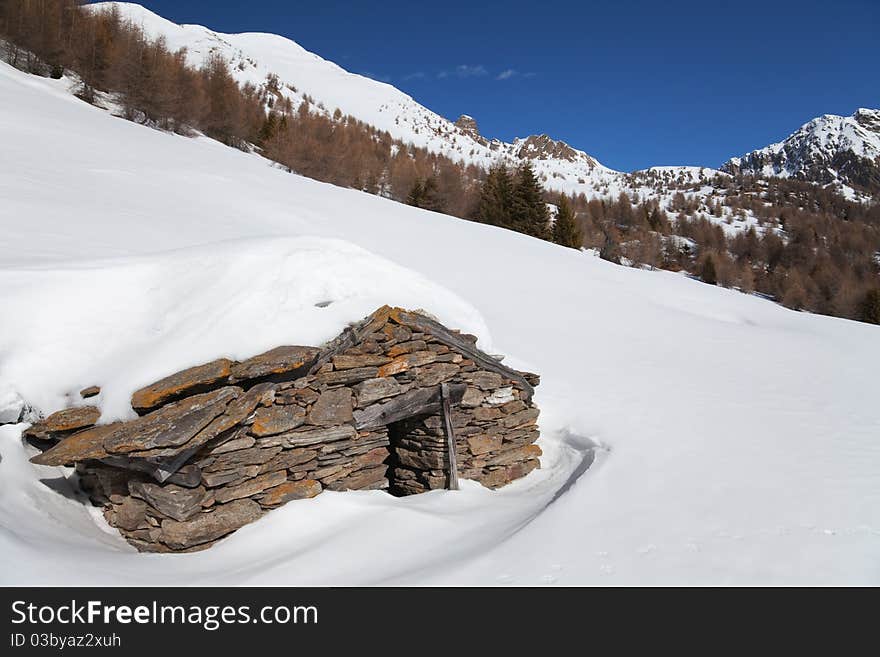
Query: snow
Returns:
{"type": "Point", "coordinates": [183, 306]}
{"type": "Point", "coordinates": [820, 140]}
{"type": "Point", "coordinates": [691, 434]}
{"type": "Point", "coordinates": [11, 405]}
{"type": "Point", "coordinates": [254, 56]}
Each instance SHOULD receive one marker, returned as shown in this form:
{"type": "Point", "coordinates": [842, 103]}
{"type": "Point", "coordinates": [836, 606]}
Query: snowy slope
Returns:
{"type": "Point", "coordinates": [830, 149]}
{"type": "Point", "coordinates": [560, 167]}
{"type": "Point", "coordinates": [842, 151]}
{"type": "Point", "coordinates": [691, 433]}
{"type": "Point", "coordinates": [254, 56]}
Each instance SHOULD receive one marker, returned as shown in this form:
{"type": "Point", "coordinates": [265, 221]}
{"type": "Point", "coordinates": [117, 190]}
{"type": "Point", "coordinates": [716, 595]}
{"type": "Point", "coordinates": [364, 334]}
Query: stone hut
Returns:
{"type": "Point", "coordinates": [396, 402]}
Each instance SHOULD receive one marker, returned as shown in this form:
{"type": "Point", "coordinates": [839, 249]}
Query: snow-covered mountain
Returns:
{"type": "Point", "coordinates": [844, 151]}
{"type": "Point", "coordinates": [839, 150]}
{"type": "Point", "coordinates": [691, 434]}
{"type": "Point", "coordinates": [255, 56]}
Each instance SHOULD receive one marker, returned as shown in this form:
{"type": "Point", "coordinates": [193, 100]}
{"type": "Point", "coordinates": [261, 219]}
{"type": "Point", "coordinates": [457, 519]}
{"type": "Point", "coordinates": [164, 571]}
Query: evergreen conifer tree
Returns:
{"type": "Point", "coordinates": [528, 212]}
{"type": "Point", "coordinates": [707, 271]}
{"type": "Point", "coordinates": [495, 198]}
{"type": "Point", "coordinates": [565, 229]}
{"type": "Point", "coordinates": [416, 194]}
{"type": "Point", "coordinates": [870, 307]}
{"type": "Point", "coordinates": [425, 194]}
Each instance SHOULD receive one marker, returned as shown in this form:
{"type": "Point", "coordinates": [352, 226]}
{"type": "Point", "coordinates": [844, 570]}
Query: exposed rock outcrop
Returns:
{"type": "Point", "coordinates": [829, 150]}
{"type": "Point", "coordinates": [468, 125]}
{"type": "Point", "coordinates": [544, 147]}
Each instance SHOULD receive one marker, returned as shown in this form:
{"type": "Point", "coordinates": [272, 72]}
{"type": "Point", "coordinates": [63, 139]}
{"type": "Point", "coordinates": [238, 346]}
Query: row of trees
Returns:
{"type": "Point", "coordinates": [156, 86]}
{"type": "Point", "coordinates": [152, 84]}
{"type": "Point", "coordinates": [347, 152]}
{"type": "Point", "coordinates": [814, 251]}
{"type": "Point", "coordinates": [516, 200]}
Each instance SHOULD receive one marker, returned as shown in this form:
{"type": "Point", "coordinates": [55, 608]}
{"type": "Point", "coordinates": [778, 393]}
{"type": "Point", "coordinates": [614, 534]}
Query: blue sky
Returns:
{"type": "Point", "coordinates": [634, 84]}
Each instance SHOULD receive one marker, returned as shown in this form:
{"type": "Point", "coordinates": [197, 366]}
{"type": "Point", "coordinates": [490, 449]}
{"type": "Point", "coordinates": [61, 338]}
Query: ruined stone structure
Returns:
{"type": "Point", "coordinates": [219, 444]}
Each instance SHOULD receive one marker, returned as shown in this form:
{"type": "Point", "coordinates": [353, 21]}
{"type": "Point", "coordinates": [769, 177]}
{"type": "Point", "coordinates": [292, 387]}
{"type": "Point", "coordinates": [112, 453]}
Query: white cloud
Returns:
{"type": "Point", "coordinates": [418, 75]}
{"type": "Point", "coordinates": [509, 73]}
{"type": "Point", "coordinates": [468, 71]}
{"type": "Point", "coordinates": [465, 71]}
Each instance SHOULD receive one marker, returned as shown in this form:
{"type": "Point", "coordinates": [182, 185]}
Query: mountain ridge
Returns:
{"type": "Point", "coordinates": [304, 75]}
{"type": "Point", "coordinates": [851, 163]}
{"type": "Point", "coordinates": [674, 409]}
{"type": "Point", "coordinates": [829, 150]}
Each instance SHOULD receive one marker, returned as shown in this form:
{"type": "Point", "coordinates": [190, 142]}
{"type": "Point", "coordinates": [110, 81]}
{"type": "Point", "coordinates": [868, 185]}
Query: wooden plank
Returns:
{"type": "Point", "coordinates": [421, 401]}
{"type": "Point", "coordinates": [456, 342]}
{"type": "Point", "coordinates": [450, 437]}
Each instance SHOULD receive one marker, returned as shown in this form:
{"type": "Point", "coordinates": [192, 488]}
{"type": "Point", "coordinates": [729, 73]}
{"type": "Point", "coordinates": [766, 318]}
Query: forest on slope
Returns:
{"type": "Point", "coordinates": [812, 249]}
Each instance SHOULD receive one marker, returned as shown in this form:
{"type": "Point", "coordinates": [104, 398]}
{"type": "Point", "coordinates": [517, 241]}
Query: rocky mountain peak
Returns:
{"type": "Point", "coordinates": [468, 125]}
{"type": "Point", "coordinates": [843, 151]}
{"type": "Point", "coordinates": [544, 147]}
{"type": "Point", "coordinates": [868, 119]}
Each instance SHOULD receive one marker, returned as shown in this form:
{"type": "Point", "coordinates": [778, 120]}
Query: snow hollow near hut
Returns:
{"type": "Point", "coordinates": [691, 434]}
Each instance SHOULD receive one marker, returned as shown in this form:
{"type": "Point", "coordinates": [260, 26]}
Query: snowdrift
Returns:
{"type": "Point", "coordinates": [691, 434]}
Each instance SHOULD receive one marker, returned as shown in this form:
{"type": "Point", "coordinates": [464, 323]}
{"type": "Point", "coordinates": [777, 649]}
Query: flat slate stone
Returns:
{"type": "Point", "coordinates": [421, 460]}
{"type": "Point", "coordinates": [375, 456]}
{"type": "Point", "coordinates": [240, 408]}
{"type": "Point", "coordinates": [351, 361]}
{"type": "Point", "coordinates": [436, 373]}
{"type": "Point", "coordinates": [173, 425]}
{"type": "Point", "coordinates": [170, 500]}
{"type": "Point", "coordinates": [333, 407]}
{"type": "Point", "coordinates": [512, 456]}
{"type": "Point", "coordinates": [473, 397]}
{"type": "Point", "coordinates": [406, 361]}
{"type": "Point", "coordinates": [346, 377]}
{"type": "Point", "coordinates": [277, 419]}
{"type": "Point", "coordinates": [287, 360]}
{"type": "Point", "coordinates": [256, 455]}
{"type": "Point", "coordinates": [407, 348]}
{"type": "Point", "coordinates": [206, 527]}
{"type": "Point", "coordinates": [236, 412]}
{"type": "Point", "coordinates": [68, 419]}
{"type": "Point", "coordinates": [487, 380]}
{"type": "Point", "coordinates": [214, 479]}
{"type": "Point", "coordinates": [85, 444]}
{"type": "Point", "coordinates": [311, 436]}
{"type": "Point", "coordinates": [289, 458]}
{"type": "Point", "coordinates": [302, 396]}
{"type": "Point", "coordinates": [179, 384]}
{"type": "Point", "coordinates": [361, 479]}
{"type": "Point", "coordinates": [291, 490]}
{"type": "Point", "coordinates": [242, 442]}
{"type": "Point", "coordinates": [484, 443]}
{"type": "Point", "coordinates": [250, 487]}
{"type": "Point", "coordinates": [523, 418]}
{"type": "Point", "coordinates": [484, 414]}
{"type": "Point", "coordinates": [131, 514]}
{"type": "Point", "coordinates": [189, 476]}
{"type": "Point", "coordinates": [373, 390]}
